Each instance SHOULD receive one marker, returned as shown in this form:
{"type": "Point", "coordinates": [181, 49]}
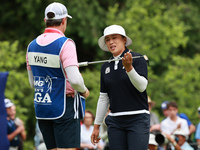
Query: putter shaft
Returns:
{"type": "Point", "coordinates": [86, 63]}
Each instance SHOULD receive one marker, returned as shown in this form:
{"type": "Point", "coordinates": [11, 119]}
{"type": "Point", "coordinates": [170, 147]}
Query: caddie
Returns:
{"type": "Point", "coordinates": [53, 72]}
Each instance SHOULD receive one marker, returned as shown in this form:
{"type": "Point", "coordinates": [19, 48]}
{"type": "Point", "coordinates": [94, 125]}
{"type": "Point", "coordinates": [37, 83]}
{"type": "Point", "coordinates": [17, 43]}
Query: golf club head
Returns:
{"type": "Point", "coordinates": [146, 58]}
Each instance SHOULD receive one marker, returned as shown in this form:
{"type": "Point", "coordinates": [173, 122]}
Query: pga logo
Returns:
{"type": "Point", "coordinates": [42, 99]}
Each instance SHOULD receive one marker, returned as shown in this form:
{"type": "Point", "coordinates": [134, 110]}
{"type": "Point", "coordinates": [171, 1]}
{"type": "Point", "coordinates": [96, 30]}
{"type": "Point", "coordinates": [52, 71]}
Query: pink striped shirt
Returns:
{"type": "Point", "coordinates": [68, 54]}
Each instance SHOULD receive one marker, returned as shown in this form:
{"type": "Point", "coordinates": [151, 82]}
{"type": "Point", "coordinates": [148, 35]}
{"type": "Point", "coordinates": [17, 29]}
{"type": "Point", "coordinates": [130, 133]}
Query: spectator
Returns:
{"type": "Point", "coordinates": [172, 122]}
{"type": "Point", "coordinates": [154, 120]}
{"type": "Point", "coordinates": [179, 141]}
{"type": "Point", "coordinates": [152, 142]}
{"type": "Point", "coordinates": [18, 122]}
{"type": "Point", "coordinates": [14, 128]}
{"type": "Point", "coordinates": [164, 108]}
{"type": "Point", "coordinates": [197, 135]}
{"type": "Point", "coordinates": [192, 127]}
{"type": "Point", "coordinates": [180, 138]}
{"type": "Point", "coordinates": [165, 111]}
{"type": "Point", "coordinates": [86, 131]}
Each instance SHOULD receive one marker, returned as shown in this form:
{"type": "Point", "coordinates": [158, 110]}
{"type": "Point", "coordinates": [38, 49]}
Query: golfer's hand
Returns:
{"type": "Point", "coordinates": [127, 61]}
{"type": "Point", "coordinates": [95, 135]}
{"type": "Point", "coordinates": [86, 93]}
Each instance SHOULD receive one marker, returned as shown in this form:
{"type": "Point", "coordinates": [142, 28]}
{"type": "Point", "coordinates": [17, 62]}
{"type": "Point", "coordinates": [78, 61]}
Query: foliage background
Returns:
{"type": "Point", "coordinates": [168, 32]}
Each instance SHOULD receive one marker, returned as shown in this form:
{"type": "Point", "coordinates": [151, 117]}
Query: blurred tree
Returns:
{"type": "Point", "coordinates": [188, 12]}
{"type": "Point", "coordinates": [92, 80]}
{"type": "Point", "coordinates": [21, 20]}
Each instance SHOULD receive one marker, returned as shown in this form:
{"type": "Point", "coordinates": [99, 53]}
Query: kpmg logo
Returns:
{"type": "Point", "coordinates": [43, 87]}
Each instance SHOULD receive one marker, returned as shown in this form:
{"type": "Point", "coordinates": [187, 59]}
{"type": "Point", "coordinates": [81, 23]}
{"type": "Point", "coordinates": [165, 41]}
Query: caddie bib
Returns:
{"type": "Point", "coordinates": [49, 78]}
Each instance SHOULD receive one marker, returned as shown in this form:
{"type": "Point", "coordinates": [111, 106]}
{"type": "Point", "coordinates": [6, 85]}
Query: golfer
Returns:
{"type": "Point", "coordinates": [53, 72]}
{"type": "Point", "coordinates": [123, 87]}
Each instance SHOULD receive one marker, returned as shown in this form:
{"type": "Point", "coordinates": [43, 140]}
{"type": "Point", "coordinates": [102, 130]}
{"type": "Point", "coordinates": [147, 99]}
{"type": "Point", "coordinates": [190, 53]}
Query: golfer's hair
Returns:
{"type": "Point", "coordinates": [124, 37]}
{"type": "Point", "coordinates": [172, 104]}
{"type": "Point", "coordinates": [51, 23]}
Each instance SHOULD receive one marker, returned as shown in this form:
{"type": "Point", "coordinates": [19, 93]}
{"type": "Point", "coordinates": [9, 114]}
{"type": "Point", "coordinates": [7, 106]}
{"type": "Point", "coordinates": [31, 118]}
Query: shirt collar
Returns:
{"type": "Point", "coordinates": [121, 55]}
{"type": "Point", "coordinates": [53, 30]}
{"type": "Point", "coordinates": [125, 51]}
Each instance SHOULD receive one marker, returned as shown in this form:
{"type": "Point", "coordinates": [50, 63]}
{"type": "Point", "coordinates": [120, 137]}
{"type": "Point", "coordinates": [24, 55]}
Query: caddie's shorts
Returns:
{"type": "Point", "coordinates": [63, 132]}
{"type": "Point", "coordinates": [128, 132]}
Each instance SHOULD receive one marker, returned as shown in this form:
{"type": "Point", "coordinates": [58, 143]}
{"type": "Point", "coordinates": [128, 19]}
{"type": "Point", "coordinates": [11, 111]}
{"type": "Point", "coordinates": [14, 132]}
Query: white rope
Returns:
{"type": "Point", "coordinates": [76, 105]}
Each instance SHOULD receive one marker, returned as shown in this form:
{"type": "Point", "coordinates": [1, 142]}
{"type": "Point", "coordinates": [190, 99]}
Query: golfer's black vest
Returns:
{"type": "Point", "coordinates": [124, 97]}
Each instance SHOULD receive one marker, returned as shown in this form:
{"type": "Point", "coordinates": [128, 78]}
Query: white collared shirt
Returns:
{"type": "Point", "coordinates": [168, 126]}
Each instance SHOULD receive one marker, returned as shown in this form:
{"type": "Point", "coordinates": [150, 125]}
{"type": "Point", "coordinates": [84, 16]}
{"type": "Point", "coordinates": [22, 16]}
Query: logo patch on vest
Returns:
{"type": "Point", "coordinates": [43, 87]}
{"type": "Point", "coordinates": [107, 70]}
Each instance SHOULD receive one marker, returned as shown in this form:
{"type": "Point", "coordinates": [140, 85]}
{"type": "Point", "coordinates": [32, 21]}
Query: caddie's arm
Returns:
{"type": "Point", "coordinates": [30, 77]}
{"type": "Point", "coordinates": [76, 81]}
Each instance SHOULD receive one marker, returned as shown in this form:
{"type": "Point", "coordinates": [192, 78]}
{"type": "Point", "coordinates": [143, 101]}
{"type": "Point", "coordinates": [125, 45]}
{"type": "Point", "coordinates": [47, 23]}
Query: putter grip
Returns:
{"type": "Point", "coordinates": [81, 64]}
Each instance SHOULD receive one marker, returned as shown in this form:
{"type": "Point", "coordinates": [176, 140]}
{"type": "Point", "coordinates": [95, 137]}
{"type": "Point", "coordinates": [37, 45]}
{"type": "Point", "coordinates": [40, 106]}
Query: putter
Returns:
{"type": "Point", "coordinates": [86, 63]}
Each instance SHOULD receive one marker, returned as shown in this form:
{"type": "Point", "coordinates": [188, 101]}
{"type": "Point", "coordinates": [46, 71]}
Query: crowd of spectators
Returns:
{"type": "Point", "coordinates": [15, 127]}
{"type": "Point", "coordinates": [176, 129]}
